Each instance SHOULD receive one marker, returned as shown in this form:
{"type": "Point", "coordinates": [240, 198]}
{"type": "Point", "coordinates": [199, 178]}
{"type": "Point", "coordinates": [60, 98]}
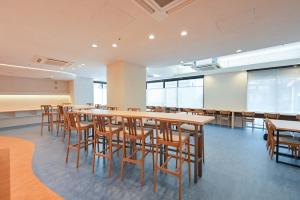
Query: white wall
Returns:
{"type": "Point", "coordinates": [226, 91]}
{"type": "Point", "coordinates": [82, 90]}
{"type": "Point", "coordinates": [126, 85]}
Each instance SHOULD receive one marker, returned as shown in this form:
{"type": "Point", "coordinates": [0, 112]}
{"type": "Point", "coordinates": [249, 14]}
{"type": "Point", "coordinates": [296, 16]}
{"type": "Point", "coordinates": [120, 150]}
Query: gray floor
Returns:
{"type": "Point", "coordinates": [236, 167]}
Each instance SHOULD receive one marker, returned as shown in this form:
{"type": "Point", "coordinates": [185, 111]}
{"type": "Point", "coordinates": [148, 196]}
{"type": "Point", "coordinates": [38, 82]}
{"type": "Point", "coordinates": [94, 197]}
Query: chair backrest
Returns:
{"type": "Point", "coordinates": [89, 104]}
{"type": "Point", "coordinates": [158, 109]}
{"type": "Point", "coordinates": [46, 109]}
{"type": "Point", "coordinates": [97, 106]}
{"type": "Point", "coordinates": [60, 110]}
{"type": "Point", "coordinates": [173, 109]}
{"type": "Point", "coordinates": [112, 108]}
{"type": "Point", "coordinates": [272, 115]}
{"type": "Point", "coordinates": [102, 123]}
{"type": "Point", "coordinates": [225, 112]}
{"type": "Point", "coordinates": [73, 120]}
{"type": "Point", "coordinates": [134, 109]}
{"type": "Point", "coordinates": [270, 128]}
{"type": "Point", "coordinates": [132, 126]}
{"type": "Point", "coordinates": [210, 112]}
{"type": "Point", "coordinates": [248, 114]}
{"type": "Point", "coordinates": [198, 112]}
{"type": "Point", "coordinates": [298, 117]}
{"type": "Point", "coordinates": [165, 131]}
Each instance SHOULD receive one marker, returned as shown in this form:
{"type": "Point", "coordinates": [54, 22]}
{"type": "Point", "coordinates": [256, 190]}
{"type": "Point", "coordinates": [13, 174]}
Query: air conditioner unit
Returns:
{"type": "Point", "coordinates": [159, 9]}
{"type": "Point", "coordinates": [204, 65]}
{"type": "Point", "coordinates": [50, 61]}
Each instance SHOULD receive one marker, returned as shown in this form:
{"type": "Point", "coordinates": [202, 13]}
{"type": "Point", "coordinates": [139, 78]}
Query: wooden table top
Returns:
{"type": "Point", "coordinates": [196, 119]}
{"type": "Point", "coordinates": [286, 125]}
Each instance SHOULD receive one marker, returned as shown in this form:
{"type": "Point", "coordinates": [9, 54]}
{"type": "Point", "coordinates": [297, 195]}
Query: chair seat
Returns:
{"type": "Point", "coordinates": [85, 125]}
{"type": "Point", "coordinates": [175, 136]}
{"type": "Point", "coordinates": [288, 140]}
{"type": "Point", "coordinates": [188, 127]}
{"type": "Point", "coordinates": [150, 123]}
{"type": "Point", "coordinates": [138, 132]}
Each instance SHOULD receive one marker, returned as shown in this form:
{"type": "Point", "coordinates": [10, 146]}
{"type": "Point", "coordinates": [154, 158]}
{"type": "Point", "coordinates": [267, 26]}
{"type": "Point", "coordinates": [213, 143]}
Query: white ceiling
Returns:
{"type": "Point", "coordinates": [65, 29]}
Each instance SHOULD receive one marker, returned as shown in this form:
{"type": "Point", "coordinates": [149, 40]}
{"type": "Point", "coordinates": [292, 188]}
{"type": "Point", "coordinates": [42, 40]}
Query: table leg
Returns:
{"type": "Point", "coordinates": [232, 119]}
{"type": "Point", "coordinates": [277, 146]}
{"type": "Point", "coordinates": [196, 156]}
{"type": "Point", "coordinates": [200, 154]}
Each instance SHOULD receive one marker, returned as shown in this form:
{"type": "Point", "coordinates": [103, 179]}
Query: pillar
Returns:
{"type": "Point", "coordinates": [126, 85]}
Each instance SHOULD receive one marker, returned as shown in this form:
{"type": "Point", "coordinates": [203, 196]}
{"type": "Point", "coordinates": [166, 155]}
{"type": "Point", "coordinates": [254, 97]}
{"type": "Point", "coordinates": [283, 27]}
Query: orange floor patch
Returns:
{"type": "Point", "coordinates": [23, 182]}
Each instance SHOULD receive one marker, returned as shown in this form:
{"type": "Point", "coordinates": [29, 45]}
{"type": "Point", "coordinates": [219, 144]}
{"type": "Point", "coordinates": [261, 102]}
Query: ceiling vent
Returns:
{"type": "Point", "coordinates": [204, 65]}
{"type": "Point", "coordinates": [160, 9]}
{"type": "Point", "coordinates": [51, 61]}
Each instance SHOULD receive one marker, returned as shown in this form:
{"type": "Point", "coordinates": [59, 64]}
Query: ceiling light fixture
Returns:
{"type": "Point", "coordinates": [183, 33]}
{"type": "Point", "coordinates": [239, 51]}
{"type": "Point", "coordinates": [94, 45]}
{"type": "Point", "coordinates": [114, 45]}
{"type": "Point", "coordinates": [151, 37]}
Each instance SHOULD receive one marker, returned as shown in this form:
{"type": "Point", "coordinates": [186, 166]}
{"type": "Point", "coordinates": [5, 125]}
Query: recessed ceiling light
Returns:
{"type": "Point", "coordinates": [239, 51]}
{"type": "Point", "coordinates": [114, 45]}
{"type": "Point", "coordinates": [183, 33]}
{"type": "Point", "coordinates": [94, 45]}
{"type": "Point", "coordinates": [151, 37]}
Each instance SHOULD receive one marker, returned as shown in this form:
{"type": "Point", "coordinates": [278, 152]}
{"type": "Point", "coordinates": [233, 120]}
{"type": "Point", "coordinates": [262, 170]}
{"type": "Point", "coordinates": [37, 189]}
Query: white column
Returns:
{"type": "Point", "coordinates": [82, 90]}
{"type": "Point", "coordinates": [126, 85]}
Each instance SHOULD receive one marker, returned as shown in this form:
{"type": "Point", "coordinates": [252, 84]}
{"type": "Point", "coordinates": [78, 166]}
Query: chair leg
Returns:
{"type": "Point", "coordinates": [142, 162]}
{"type": "Point", "coordinates": [78, 148]}
{"type": "Point", "coordinates": [180, 174]}
{"type": "Point", "coordinates": [42, 124]}
{"type": "Point", "coordinates": [94, 154]}
{"type": "Point", "coordinates": [152, 150]}
{"type": "Point", "coordinates": [69, 143]}
{"type": "Point", "coordinates": [57, 126]}
{"type": "Point", "coordinates": [189, 160]}
{"type": "Point", "coordinates": [110, 157]}
{"type": "Point", "coordinates": [155, 167]}
{"type": "Point", "coordinates": [123, 158]}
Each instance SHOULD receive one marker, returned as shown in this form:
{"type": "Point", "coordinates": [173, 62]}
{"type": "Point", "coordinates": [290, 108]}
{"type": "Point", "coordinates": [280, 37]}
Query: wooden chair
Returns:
{"type": "Point", "coordinates": [165, 138]}
{"type": "Point", "coordinates": [225, 116]}
{"type": "Point", "coordinates": [134, 109]}
{"type": "Point", "coordinates": [270, 116]}
{"type": "Point", "coordinates": [60, 117]}
{"type": "Point", "coordinates": [173, 110]}
{"type": "Point", "coordinates": [211, 112]}
{"type": "Point", "coordinates": [131, 134]}
{"type": "Point", "coordinates": [288, 140]}
{"type": "Point", "coordinates": [105, 132]}
{"type": "Point", "coordinates": [47, 111]}
{"type": "Point", "coordinates": [248, 117]}
{"type": "Point", "coordinates": [113, 108]}
{"type": "Point", "coordinates": [191, 128]}
{"type": "Point", "coordinates": [150, 122]}
{"type": "Point", "coordinates": [198, 112]}
{"type": "Point", "coordinates": [74, 124]}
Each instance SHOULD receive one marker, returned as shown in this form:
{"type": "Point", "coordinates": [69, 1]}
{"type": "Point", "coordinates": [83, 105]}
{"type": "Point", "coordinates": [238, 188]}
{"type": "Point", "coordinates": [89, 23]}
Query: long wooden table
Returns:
{"type": "Point", "coordinates": [194, 119]}
{"type": "Point", "coordinates": [285, 125]}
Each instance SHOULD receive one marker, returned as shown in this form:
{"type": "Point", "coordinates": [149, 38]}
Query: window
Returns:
{"type": "Point", "coordinates": [275, 90]}
{"type": "Point", "coordinates": [176, 93]}
{"type": "Point", "coordinates": [100, 93]}
{"type": "Point", "coordinates": [155, 94]}
{"type": "Point", "coordinates": [190, 93]}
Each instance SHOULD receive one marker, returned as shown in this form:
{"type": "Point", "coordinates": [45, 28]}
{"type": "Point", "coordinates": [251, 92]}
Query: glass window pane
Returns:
{"type": "Point", "coordinates": [276, 90]}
